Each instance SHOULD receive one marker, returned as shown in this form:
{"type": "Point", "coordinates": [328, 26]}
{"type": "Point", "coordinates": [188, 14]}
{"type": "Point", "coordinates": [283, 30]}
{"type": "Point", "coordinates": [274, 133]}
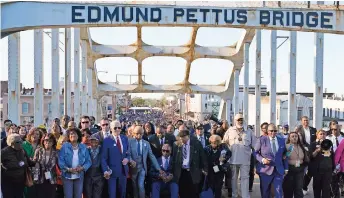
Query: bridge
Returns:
{"type": "Point", "coordinates": [250, 16]}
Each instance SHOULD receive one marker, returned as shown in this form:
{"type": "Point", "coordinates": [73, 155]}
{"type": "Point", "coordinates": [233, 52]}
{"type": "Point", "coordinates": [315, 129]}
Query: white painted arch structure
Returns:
{"type": "Point", "coordinates": [251, 16]}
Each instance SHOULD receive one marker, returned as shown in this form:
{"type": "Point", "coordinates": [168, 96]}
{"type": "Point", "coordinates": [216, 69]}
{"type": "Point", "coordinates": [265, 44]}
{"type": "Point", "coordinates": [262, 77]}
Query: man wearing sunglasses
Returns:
{"type": "Point", "coordinates": [105, 129]}
{"type": "Point", "coordinates": [115, 158]}
{"type": "Point", "coordinates": [85, 123]}
{"type": "Point", "coordinates": [272, 166]}
{"type": "Point", "coordinates": [163, 182]}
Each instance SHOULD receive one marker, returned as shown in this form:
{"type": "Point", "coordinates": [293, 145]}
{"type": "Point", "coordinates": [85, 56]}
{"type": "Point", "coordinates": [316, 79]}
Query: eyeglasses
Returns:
{"type": "Point", "coordinates": [105, 124]}
{"type": "Point", "coordinates": [18, 142]}
{"type": "Point", "coordinates": [117, 128]}
{"type": "Point", "coordinates": [86, 122]}
{"type": "Point", "coordinates": [240, 120]}
{"type": "Point", "coordinates": [166, 151]}
{"type": "Point", "coordinates": [47, 141]}
{"type": "Point", "coordinates": [200, 128]}
{"type": "Point", "coordinates": [273, 130]}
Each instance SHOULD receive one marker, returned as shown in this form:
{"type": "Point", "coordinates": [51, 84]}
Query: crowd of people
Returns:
{"type": "Point", "coordinates": [140, 158]}
{"type": "Point", "coordinates": [153, 116]}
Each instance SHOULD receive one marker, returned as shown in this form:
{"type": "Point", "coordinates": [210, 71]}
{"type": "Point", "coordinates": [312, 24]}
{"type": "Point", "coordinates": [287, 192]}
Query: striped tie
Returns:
{"type": "Point", "coordinates": [185, 152]}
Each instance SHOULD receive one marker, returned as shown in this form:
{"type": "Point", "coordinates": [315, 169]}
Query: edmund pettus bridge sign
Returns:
{"type": "Point", "coordinates": [327, 20]}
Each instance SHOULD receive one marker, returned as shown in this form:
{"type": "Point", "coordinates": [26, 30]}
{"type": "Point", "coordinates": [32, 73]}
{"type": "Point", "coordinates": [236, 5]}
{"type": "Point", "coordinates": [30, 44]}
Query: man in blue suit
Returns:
{"type": "Point", "coordinates": [272, 165]}
{"type": "Point", "coordinates": [139, 150]}
{"type": "Point", "coordinates": [115, 158]}
{"type": "Point", "coordinates": [161, 182]}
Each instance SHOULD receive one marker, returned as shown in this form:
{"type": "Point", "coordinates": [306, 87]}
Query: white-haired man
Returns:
{"type": "Point", "coordinates": [115, 159]}
{"type": "Point", "coordinates": [240, 141]}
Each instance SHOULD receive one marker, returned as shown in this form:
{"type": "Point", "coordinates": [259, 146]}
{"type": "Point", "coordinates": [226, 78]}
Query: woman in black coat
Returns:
{"type": "Point", "coordinates": [218, 155]}
{"type": "Point", "coordinates": [14, 163]}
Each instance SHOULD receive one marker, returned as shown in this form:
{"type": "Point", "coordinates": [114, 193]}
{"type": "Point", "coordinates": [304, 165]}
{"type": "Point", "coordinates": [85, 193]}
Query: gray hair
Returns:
{"type": "Point", "coordinates": [12, 138]}
{"type": "Point", "coordinates": [113, 124]}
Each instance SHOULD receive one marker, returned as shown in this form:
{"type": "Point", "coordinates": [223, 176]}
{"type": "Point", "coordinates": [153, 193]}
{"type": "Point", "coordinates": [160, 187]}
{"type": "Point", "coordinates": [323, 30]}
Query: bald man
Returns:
{"type": "Point", "coordinates": [162, 182]}
{"type": "Point", "coordinates": [140, 150]}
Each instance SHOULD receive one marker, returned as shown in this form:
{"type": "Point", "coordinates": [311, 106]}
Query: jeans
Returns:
{"type": "Point", "coordinates": [73, 187]}
{"type": "Point", "coordinates": [244, 182]}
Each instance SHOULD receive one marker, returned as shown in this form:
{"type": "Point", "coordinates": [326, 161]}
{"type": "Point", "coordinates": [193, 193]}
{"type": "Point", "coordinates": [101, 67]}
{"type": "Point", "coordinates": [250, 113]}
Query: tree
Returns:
{"type": "Point", "coordinates": [138, 102]}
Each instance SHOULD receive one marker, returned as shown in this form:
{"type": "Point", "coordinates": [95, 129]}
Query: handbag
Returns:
{"type": "Point", "coordinates": [206, 191]}
{"type": "Point", "coordinates": [28, 178]}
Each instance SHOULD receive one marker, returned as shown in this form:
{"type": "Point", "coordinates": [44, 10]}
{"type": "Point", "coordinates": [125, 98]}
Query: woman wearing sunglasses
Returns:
{"type": "Point", "coordinates": [46, 159]}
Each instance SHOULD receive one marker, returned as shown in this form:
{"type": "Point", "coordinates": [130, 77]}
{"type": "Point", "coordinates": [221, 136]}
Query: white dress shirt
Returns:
{"type": "Point", "coordinates": [307, 135]}
{"type": "Point", "coordinates": [163, 141]}
{"type": "Point", "coordinates": [120, 140]}
{"type": "Point", "coordinates": [186, 161]}
{"type": "Point", "coordinates": [106, 134]}
{"type": "Point", "coordinates": [276, 143]}
{"type": "Point", "coordinates": [333, 140]}
{"type": "Point", "coordinates": [175, 133]}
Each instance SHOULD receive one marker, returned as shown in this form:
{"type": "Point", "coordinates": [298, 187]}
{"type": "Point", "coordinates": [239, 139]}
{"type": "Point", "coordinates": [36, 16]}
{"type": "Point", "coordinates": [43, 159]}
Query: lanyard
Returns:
{"type": "Point", "coordinates": [45, 163]}
{"type": "Point", "coordinates": [297, 152]}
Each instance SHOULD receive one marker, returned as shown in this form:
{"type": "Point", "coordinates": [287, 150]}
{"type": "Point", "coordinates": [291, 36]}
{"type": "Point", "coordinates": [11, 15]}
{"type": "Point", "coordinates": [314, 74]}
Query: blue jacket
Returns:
{"type": "Point", "coordinates": [66, 158]}
{"type": "Point", "coordinates": [112, 158]}
{"type": "Point", "coordinates": [263, 150]}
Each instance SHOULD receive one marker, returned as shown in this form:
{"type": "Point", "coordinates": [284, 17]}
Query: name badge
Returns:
{"type": "Point", "coordinates": [297, 164]}
{"type": "Point", "coordinates": [114, 144]}
{"type": "Point", "coordinates": [216, 169]}
{"type": "Point", "coordinates": [47, 175]}
{"type": "Point", "coordinates": [21, 163]}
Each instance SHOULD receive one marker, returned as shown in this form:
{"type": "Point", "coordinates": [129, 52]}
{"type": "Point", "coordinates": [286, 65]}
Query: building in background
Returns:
{"type": "Point", "coordinates": [199, 105]}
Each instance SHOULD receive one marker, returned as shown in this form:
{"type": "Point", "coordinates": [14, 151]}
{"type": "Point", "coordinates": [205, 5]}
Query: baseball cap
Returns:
{"type": "Point", "coordinates": [238, 116]}
{"type": "Point", "coordinates": [94, 137]}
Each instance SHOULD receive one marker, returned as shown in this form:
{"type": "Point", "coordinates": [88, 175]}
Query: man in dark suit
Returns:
{"type": "Point", "coordinates": [189, 161]}
{"type": "Point", "coordinates": [201, 136]}
{"type": "Point", "coordinates": [161, 182]}
{"type": "Point", "coordinates": [272, 166]}
{"type": "Point", "coordinates": [160, 138]}
{"type": "Point", "coordinates": [308, 133]}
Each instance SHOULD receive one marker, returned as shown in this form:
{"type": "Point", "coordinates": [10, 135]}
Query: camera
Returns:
{"type": "Point", "coordinates": [213, 118]}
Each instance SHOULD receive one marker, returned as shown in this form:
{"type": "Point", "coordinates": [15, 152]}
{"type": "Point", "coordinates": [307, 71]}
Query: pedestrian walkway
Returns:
{"type": "Point", "coordinates": [256, 191]}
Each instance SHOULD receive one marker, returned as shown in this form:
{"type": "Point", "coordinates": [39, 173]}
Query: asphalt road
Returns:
{"type": "Point", "coordinates": [256, 191]}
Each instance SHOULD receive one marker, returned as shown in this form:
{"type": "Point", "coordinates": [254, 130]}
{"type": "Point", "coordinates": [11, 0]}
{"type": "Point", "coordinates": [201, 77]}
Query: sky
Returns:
{"type": "Point", "coordinates": [168, 70]}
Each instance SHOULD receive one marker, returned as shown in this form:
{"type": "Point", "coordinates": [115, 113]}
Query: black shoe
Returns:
{"type": "Point", "coordinates": [250, 190]}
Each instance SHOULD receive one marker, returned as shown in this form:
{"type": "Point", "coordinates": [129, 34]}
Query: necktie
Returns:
{"type": "Point", "coordinates": [273, 146]}
{"type": "Point", "coordinates": [185, 152]}
{"type": "Point", "coordinates": [119, 145]}
{"type": "Point", "coordinates": [202, 141]}
{"type": "Point", "coordinates": [161, 141]}
{"type": "Point", "coordinates": [166, 164]}
{"type": "Point", "coordinates": [337, 141]}
{"type": "Point", "coordinates": [138, 148]}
